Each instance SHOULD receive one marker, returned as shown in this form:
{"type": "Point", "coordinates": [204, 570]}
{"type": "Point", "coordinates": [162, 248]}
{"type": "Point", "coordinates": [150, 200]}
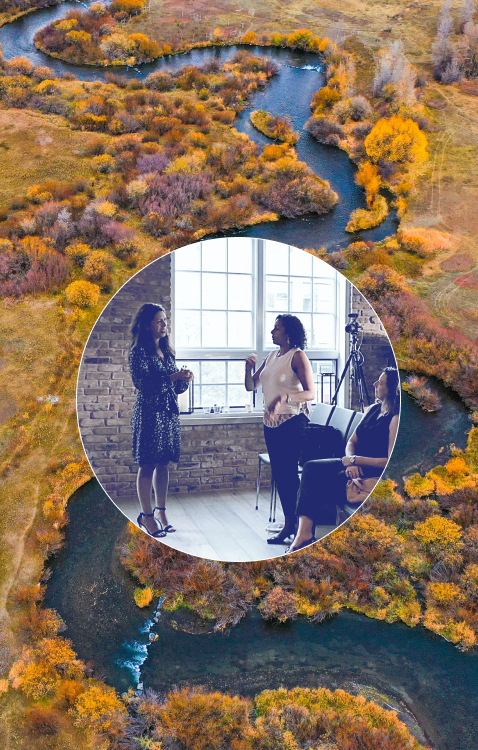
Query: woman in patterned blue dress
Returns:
{"type": "Point", "coordinates": [155, 423]}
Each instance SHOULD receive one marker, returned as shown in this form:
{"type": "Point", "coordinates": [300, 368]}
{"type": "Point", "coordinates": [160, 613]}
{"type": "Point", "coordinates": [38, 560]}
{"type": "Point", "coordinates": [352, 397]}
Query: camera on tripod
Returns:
{"type": "Point", "coordinates": [353, 327]}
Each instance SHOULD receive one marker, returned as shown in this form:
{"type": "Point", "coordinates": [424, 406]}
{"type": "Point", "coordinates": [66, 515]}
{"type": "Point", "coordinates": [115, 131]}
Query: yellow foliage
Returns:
{"type": "Point", "coordinates": [397, 140]}
{"type": "Point", "coordinates": [418, 486]}
{"type": "Point", "coordinates": [438, 532]}
{"type": "Point", "coordinates": [82, 294]}
{"type": "Point", "coordinates": [445, 593]}
{"type": "Point", "coordinates": [361, 218]}
{"type": "Point", "coordinates": [143, 597]}
{"type": "Point", "coordinates": [67, 25]}
{"type": "Point", "coordinates": [99, 708]}
{"type": "Point", "coordinates": [107, 208]}
{"type": "Point", "coordinates": [79, 37]}
{"type": "Point", "coordinates": [368, 177]}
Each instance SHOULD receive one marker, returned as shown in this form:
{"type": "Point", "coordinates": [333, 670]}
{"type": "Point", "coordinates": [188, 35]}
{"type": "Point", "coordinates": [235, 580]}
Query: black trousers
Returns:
{"type": "Point", "coordinates": [284, 445]}
{"type": "Point", "coordinates": [322, 487]}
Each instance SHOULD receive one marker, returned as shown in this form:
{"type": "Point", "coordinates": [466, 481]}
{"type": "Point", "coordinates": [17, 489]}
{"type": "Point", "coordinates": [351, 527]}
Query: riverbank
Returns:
{"type": "Point", "coordinates": [6, 17]}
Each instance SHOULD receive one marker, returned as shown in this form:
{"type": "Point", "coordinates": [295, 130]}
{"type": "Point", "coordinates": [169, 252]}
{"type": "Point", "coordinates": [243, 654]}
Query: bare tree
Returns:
{"type": "Point", "coordinates": [442, 48]}
{"type": "Point", "coordinates": [392, 67]}
{"type": "Point", "coordinates": [467, 12]}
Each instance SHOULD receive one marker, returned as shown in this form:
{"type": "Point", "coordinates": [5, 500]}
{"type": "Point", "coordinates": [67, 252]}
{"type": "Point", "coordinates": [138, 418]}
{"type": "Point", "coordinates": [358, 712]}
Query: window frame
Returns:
{"type": "Point", "coordinates": [261, 349]}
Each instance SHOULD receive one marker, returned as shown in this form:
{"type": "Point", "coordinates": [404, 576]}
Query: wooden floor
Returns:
{"type": "Point", "coordinates": [220, 525]}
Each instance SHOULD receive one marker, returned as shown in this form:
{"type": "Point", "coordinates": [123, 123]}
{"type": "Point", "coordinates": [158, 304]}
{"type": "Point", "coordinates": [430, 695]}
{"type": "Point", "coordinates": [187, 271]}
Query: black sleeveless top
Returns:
{"type": "Point", "coordinates": [373, 435]}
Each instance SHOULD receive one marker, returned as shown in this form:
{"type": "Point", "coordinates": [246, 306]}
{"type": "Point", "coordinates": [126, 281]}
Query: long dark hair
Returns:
{"type": "Point", "coordinates": [294, 329]}
{"type": "Point", "coordinates": [142, 336]}
{"type": "Point", "coordinates": [392, 401]}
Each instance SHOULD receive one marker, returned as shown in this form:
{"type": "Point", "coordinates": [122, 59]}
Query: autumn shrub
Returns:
{"type": "Point", "coordinates": [426, 398]}
{"type": "Point", "coordinates": [397, 141]}
{"type": "Point", "coordinates": [98, 265]}
{"type": "Point", "coordinates": [82, 294]}
{"type": "Point", "coordinates": [378, 281]}
{"type": "Point", "coordinates": [278, 128]}
{"type": "Point", "coordinates": [362, 218]}
{"type": "Point", "coordinates": [99, 709]}
{"type": "Point", "coordinates": [42, 722]}
{"type": "Point", "coordinates": [326, 130]}
{"type": "Point", "coordinates": [198, 720]}
{"type": "Point", "coordinates": [78, 252]}
{"type": "Point", "coordinates": [279, 605]}
{"type": "Point", "coordinates": [423, 241]}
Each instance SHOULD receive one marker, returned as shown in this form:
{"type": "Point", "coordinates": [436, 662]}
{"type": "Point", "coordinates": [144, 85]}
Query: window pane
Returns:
{"type": "Point", "coordinates": [240, 330]}
{"type": "Point", "coordinates": [324, 331]}
{"type": "Point", "coordinates": [324, 294]}
{"type": "Point", "coordinates": [239, 255]}
{"type": "Point", "coordinates": [188, 258]}
{"type": "Point", "coordinates": [270, 320]}
{"type": "Point", "coordinates": [300, 295]}
{"type": "Point", "coordinates": [214, 395]}
{"type": "Point", "coordinates": [307, 323]}
{"type": "Point", "coordinates": [187, 329]}
{"type": "Point", "coordinates": [277, 257]}
{"type": "Point", "coordinates": [238, 396]}
{"type": "Point", "coordinates": [214, 255]}
{"type": "Point", "coordinates": [213, 372]}
{"type": "Point", "coordinates": [235, 372]}
{"type": "Point", "coordinates": [321, 268]}
{"type": "Point", "coordinates": [214, 329]}
{"type": "Point", "coordinates": [214, 291]}
{"type": "Point", "coordinates": [195, 368]}
{"type": "Point", "coordinates": [300, 262]}
{"type": "Point", "coordinates": [187, 289]}
{"type": "Point", "coordinates": [240, 292]}
{"type": "Point", "coordinates": [277, 294]}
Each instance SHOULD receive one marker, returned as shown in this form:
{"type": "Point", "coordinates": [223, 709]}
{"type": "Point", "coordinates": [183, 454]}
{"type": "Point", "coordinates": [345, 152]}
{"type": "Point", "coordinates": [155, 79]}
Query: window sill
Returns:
{"type": "Point", "coordinates": [241, 418]}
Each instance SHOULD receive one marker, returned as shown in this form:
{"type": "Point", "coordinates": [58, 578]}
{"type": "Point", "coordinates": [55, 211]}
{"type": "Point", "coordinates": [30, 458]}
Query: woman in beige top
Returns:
{"type": "Point", "coordinates": [288, 383]}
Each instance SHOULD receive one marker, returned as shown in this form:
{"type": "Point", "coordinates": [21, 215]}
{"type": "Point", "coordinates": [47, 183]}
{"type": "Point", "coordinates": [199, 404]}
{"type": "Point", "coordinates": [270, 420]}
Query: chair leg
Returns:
{"type": "Point", "coordinates": [275, 504]}
{"type": "Point", "coordinates": [258, 486]}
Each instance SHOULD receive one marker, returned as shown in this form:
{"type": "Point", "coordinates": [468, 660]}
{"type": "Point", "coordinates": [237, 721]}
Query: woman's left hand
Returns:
{"type": "Point", "coordinates": [353, 472]}
{"type": "Point", "coordinates": [275, 404]}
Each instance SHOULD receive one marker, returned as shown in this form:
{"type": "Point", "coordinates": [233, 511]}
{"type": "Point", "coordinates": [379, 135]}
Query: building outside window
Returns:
{"type": "Point", "coordinates": [227, 294]}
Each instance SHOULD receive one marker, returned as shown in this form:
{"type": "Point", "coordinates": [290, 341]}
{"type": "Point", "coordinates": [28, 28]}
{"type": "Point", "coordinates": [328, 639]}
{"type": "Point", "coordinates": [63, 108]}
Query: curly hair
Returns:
{"type": "Point", "coordinates": [294, 329]}
{"type": "Point", "coordinates": [393, 389]}
{"type": "Point", "coordinates": [141, 335]}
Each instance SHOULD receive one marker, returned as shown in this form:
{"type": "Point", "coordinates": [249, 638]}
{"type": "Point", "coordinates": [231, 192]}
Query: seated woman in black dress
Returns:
{"type": "Point", "coordinates": [155, 422]}
{"type": "Point", "coordinates": [323, 482]}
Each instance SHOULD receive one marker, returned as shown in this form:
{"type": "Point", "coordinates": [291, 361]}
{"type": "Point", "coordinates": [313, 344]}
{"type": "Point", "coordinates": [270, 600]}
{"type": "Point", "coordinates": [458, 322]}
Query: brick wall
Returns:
{"type": "Point", "coordinates": [212, 455]}
{"type": "Point", "coordinates": [375, 347]}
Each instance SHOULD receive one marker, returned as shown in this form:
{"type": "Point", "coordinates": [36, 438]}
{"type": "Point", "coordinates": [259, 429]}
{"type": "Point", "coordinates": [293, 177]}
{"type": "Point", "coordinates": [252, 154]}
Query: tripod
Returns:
{"type": "Point", "coordinates": [355, 360]}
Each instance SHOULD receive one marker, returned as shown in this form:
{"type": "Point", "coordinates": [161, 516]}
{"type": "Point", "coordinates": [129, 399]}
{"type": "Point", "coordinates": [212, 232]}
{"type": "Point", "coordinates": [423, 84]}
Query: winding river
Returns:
{"type": "Point", "coordinates": [88, 585]}
{"type": "Point", "coordinates": [288, 93]}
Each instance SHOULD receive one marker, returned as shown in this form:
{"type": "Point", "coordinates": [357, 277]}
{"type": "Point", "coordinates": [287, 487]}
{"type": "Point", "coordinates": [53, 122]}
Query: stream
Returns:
{"type": "Point", "coordinates": [287, 94]}
{"type": "Point", "coordinates": [88, 585]}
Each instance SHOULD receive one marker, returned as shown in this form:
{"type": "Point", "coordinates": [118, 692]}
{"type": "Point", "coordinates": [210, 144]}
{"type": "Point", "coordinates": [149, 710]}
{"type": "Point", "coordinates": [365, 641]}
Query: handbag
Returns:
{"type": "Point", "coordinates": [321, 441]}
{"type": "Point", "coordinates": [358, 490]}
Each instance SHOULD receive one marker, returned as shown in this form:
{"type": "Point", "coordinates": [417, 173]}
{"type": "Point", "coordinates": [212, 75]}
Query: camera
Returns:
{"type": "Point", "coordinates": [353, 327]}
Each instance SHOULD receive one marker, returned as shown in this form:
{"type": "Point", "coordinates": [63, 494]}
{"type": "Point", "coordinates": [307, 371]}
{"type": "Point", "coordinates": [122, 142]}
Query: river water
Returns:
{"type": "Point", "coordinates": [88, 585]}
{"type": "Point", "coordinates": [89, 589]}
{"type": "Point", "coordinates": [288, 93]}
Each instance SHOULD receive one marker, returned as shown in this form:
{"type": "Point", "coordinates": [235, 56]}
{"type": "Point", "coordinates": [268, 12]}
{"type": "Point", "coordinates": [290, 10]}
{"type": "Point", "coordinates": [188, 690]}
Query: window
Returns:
{"type": "Point", "coordinates": [226, 295]}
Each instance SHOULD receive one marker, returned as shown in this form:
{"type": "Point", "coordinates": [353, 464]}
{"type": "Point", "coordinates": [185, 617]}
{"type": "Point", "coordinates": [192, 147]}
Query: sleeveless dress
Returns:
{"type": "Point", "coordinates": [156, 431]}
{"type": "Point", "coordinates": [323, 483]}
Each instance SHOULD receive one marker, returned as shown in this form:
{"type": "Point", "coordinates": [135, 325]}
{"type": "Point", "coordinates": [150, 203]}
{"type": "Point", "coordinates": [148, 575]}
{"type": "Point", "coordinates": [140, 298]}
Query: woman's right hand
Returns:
{"type": "Point", "coordinates": [183, 374]}
{"type": "Point", "coordinates": [251, 363]}
{"type": "Point", "coordinates": [353, 472]}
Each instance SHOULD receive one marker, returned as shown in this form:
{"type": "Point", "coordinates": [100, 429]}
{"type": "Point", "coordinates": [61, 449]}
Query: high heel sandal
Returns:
{"type": "Point", "coordinates": [167, 529]}
{"type": "Point", "coordinates": [156, 534]}
{"type": "Point", "coordinates": [289, 551]}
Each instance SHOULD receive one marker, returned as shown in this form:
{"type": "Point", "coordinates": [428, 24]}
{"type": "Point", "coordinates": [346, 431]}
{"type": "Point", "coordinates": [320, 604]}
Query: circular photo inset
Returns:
{"type": "Point", "coordinates": [238, 399]}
